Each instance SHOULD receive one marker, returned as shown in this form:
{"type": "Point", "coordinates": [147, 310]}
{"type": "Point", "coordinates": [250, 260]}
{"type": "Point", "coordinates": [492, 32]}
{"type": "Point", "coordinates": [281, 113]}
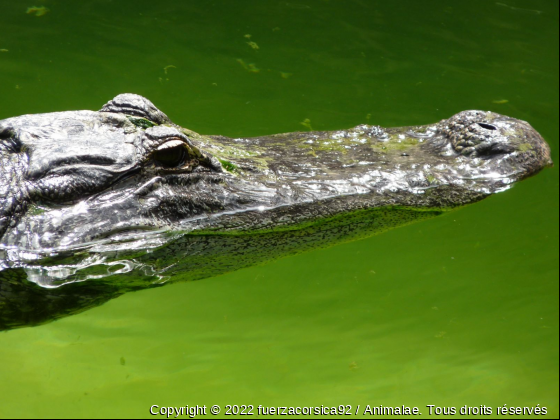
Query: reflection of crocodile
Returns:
{"type": "Point", "coordinates": [94, 204]}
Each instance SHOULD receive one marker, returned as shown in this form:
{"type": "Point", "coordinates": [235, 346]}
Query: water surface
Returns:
{"type": "Point", "coordinates": [461, 309]}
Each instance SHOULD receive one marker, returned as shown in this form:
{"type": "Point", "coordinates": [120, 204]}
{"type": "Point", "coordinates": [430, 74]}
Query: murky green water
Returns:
{"type": "Point", "coordinates": [459, 310]}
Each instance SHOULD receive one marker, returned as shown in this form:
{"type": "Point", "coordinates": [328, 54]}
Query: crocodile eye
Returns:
{"type": "Point", "coordinates": [172, 154]}
{"type": "Point", "coordinates": [487, 126]}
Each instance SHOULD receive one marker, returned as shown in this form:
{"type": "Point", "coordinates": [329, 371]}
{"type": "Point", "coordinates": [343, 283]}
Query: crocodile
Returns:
{"type": "Point", "coordinates": [96, 204]}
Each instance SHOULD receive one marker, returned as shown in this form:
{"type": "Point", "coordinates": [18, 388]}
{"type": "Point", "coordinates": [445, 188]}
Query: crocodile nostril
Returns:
{"type": "Point", "coordinates": [487, 126]}
{"type": "Point", "coordinates": [494, 149]}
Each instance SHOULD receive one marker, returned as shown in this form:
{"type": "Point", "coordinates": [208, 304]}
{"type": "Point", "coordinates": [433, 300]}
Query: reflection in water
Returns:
{"type": "Point", "coordinates": [352, 324]}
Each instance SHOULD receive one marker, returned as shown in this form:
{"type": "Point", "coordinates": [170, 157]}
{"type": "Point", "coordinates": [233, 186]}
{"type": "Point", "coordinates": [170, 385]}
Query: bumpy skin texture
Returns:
{"type": "Point", "coordinates": [94, 204]}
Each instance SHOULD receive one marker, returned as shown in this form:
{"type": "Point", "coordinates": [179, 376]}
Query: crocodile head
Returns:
{"type": "Point", "coordinates": [127, 190]}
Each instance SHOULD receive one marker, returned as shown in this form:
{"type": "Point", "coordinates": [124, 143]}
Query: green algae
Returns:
{"type": "Point", "coordinates": [524, 147]}
{"type": "Point", "coordinates": [228, 166]}
{"type": "Point", "coordinates": [395, 143]}
{"type": "Point", "coordinates": [141, 122]}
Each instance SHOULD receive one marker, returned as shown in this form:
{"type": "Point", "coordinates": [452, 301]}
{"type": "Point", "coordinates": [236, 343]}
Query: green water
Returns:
{"type": "Point", "coordinates": [459, 310]}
